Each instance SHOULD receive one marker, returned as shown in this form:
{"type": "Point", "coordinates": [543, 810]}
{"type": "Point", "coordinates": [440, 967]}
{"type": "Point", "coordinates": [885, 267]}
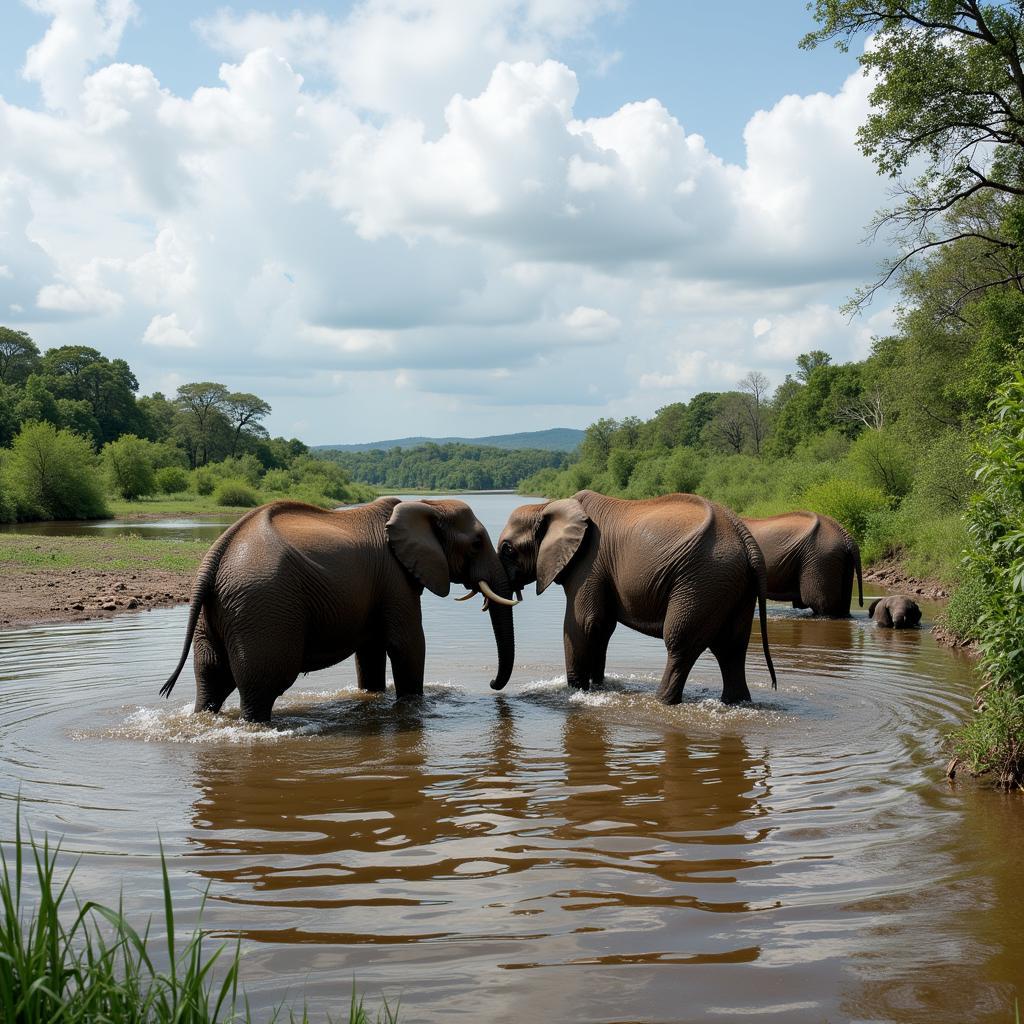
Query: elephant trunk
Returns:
{"type": "Point", "coordinates": [501, 623]}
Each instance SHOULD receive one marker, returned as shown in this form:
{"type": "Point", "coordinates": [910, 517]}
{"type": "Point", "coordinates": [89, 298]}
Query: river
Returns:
{"type": "Point", "coordinates": [541, 853]}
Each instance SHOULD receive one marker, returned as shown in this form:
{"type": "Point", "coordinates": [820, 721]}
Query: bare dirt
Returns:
{"type": "Point", "coordinates": [890, 574]}
{"type": "Point", "coordinates": [36, 595]}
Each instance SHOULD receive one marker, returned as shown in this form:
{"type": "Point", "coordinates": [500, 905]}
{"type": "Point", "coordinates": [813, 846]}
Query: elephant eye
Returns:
{"type": "Point", "coordinates": [506, 548]}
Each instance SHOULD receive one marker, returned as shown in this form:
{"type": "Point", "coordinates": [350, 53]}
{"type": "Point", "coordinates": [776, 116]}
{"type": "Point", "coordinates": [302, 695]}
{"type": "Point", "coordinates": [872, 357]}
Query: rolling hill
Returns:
{"type": "Point", "coordinates": [557, 439]}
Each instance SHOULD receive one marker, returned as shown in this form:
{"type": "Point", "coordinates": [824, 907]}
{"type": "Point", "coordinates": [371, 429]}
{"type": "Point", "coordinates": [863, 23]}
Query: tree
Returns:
{"type": "Point", "coordinates": [949, 96]}
{"type": "Point", "coordinates": [754, 386]}
{"type": "Point", "coordinates": [808, 362]}
{"type": "Point", "coordinates": [202, 406]}
{"type": "Point", "coordinates": [19, 356]}
{"type": "Point", "coordinates": [728, 428]}
{"type": "Point", "coordinates": [699, 411]}
{"type": "Point", "coordinates": [245, 410]}
{"type": "Point", "coordinates": [128, 462]}
{"type": "Point", "coordinates": [83, 374]}
{"type": "Point", "coordinates": [52, 474]}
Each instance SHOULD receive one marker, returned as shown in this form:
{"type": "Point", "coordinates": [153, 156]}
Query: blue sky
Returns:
{"type": "Point", "coordinates": [464, 219]}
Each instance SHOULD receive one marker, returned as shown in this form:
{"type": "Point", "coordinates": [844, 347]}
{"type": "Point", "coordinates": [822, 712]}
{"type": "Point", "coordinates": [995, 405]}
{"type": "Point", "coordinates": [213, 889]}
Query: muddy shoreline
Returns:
{"type": "Point", "coordinates": [35, 596]}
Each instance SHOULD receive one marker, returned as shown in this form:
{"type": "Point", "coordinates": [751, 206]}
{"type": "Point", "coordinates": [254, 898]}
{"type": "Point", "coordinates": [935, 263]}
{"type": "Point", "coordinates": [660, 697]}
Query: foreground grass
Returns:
{"type": "Point", "coordinates": [34, 551]}
{"type": "Point", "coordinates": [64, 960]}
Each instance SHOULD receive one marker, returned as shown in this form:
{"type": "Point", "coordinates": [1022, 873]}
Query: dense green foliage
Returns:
{"type": "Point", "coordinates": [51, 474]}
{"type": "Point", "coordinates": [77, 962]}
{"type": "Point", "coordinates": [72, 430]}
{"type": "Point", "coordinates": [994, 741]}
{"type": "Point", "coordinates": [447, 467]}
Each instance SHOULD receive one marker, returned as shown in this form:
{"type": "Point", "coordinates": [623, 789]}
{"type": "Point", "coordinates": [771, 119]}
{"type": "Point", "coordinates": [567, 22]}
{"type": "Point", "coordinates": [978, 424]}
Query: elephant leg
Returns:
{"type": "Point", "coordinates": [406, 650]}
{"type": "Point", "coordinates": [734, 675]}
{"type": "Point", "coordinates": [730, 651]}
{"type": "Point", "coordinates": [586, 647]}
{"type": "Point", "coordinates": [599, 653]}
{"type": "Point", "coordinates": [371, 666]}
{"type": "Point", "coordinates": [674, 677]}
{"type": "Point", "coordinates": [262, 674]}
{"type": "Point", "coordinates": [214, 681]}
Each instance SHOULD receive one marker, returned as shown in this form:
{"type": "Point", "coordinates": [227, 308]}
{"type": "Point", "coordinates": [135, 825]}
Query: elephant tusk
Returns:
{"type": "Point", "coordinates": [468, 595]}
{"type": "Point", "coordinates": [488, 593]}
{"type": "Point", "coordinates": [487, 605]}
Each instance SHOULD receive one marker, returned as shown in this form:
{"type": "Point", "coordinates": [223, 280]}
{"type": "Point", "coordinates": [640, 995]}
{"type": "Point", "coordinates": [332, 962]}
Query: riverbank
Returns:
{"type": "Point", "coordinates": [70, 579]}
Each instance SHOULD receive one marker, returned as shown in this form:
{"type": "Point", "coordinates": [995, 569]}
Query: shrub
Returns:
{"type": "Point", "coordinates": [128, 463]}
{"type": "Point", "coordinates": [236, 493]}
{"type": "Point", "coordinates": [994, 740]}
{"type": "Point", "coordinates": [966, 606]}
{"type": "Point", "coordinates": [171, 480]}
{"type": "Point", "coordinates": [52, 474]}
{"type": "Point", "coordinates": [684, 469]}
{"type": "Point", "coordinates": [848, 502]}
{"type": "Point", "coordinates": [277, 480]}
{"type": "Point", "coordinates": [883, 461]}
{"type": "Point", "coordinates": [204, 480]}
{"type": "Point", "coordinates": [944, 477]}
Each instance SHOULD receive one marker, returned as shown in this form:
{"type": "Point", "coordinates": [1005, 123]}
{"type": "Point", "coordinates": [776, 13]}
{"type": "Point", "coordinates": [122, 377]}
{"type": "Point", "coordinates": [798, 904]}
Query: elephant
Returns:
{"type": "Point", "coordinates": [811, 560]}
{"type": "Point", "coordinates": [677, 567]}
{"type": "Point", "coordinates": [292, 588]}
{"type": "Point", "coordinates": [895, 612]}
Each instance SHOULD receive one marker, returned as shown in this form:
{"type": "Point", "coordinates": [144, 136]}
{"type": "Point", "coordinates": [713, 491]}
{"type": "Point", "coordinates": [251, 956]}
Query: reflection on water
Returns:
{"type": "Point", "coordinates": [571, 856]}
{"type": "Point", "coordinates": [207, 528]}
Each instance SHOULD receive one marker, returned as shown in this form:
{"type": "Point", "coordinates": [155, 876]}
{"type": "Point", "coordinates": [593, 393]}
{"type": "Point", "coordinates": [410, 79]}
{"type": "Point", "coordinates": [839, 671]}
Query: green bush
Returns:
{"type": "Point", "coordinates": [966, 607]}
{"type": "Point", "coordinates": [883, 461]}
{"type": "Point", "coordinates": [171, 480]}
{"type": "Point", "coordinates": [236, 493]}
{"type": "Point", "coordinates": [128, 463]}
{"type": "Point", "coordinates": [848, 502]}
{"type": "Point", "coordinates": [994, 740]}
{"type": "Point", "coordinates": [204, 480]}
{"type": "Point", "coordinates": [52, 474]}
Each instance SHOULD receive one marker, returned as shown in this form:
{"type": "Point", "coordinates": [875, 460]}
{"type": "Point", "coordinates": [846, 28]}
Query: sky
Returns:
{"type": "Point", "coordinates": [394, 217]}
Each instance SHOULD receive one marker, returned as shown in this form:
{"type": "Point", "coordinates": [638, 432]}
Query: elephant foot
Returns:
{"type": "Point", "coordinates": [736, 698]}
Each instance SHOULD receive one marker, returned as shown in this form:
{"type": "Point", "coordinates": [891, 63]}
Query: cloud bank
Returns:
{"type": "Point", "coordinates": [394, 223]}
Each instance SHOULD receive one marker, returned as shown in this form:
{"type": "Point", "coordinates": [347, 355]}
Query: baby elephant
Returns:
{"type": "Point", "coordinates": [895, 612]}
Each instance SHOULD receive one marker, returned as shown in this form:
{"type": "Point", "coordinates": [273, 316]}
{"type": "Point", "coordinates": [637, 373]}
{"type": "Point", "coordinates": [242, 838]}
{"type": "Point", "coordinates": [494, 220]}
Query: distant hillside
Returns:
{"type": "Point", "coordinates": [557, 439]}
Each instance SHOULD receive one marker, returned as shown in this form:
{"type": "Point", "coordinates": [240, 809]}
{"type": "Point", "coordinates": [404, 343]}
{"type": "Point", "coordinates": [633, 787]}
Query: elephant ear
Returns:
{"type": "Point", "coordinates": [563, 525]}
{"type": "Point", "coordinates": [872, 607]}
{"type": "Point", "coordinates": [412, 535]}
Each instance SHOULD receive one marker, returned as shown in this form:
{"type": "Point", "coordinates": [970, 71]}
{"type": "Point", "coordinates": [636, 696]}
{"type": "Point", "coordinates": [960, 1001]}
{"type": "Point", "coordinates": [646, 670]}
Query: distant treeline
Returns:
{"type": "Point", "coordinates": [447, 467]}
{"type": "Point", "coordinates": [73, 432]}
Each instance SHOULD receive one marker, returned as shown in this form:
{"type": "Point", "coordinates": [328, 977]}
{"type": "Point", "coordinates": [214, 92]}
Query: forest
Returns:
{"type": "Point", "coordinates": [73, 434]}
{"type": "Point", "coordinates": [446, 467]}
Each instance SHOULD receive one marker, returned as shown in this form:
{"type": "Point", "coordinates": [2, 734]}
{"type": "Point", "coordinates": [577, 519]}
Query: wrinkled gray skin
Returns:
{"type": "Point", "coordinates": [895, 612]}
{"type": "Point", "coordinates": [677, 567]}
{"type": "Point", "coordinates": [292, 588]}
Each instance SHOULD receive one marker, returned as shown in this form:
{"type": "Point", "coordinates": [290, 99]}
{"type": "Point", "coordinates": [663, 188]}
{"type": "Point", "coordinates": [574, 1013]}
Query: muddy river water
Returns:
{"type": "Point", "coordinates": [541, 854]}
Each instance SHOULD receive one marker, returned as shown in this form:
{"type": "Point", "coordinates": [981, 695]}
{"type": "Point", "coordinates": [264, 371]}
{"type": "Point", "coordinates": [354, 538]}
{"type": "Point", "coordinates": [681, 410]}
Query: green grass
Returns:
{"type": "Point", "coordinates": [184, 505]}
{"type": "Point", "coordinates": [75, 962]}
{"type": "Point", "coordinates": [31, 551]}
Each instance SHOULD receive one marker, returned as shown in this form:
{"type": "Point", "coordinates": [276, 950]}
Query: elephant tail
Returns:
{"type": "Point", "coordinates": [854, 550]}
{"type": "Point", "coordinates": [201, 587]}
{"type": "Point", "coordinates": [756, 560]}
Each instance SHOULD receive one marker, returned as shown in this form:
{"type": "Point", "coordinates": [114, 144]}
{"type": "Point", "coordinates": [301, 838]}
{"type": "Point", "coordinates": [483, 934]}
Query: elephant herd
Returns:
{"type": "Point", "coordinates": [290, 588]}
